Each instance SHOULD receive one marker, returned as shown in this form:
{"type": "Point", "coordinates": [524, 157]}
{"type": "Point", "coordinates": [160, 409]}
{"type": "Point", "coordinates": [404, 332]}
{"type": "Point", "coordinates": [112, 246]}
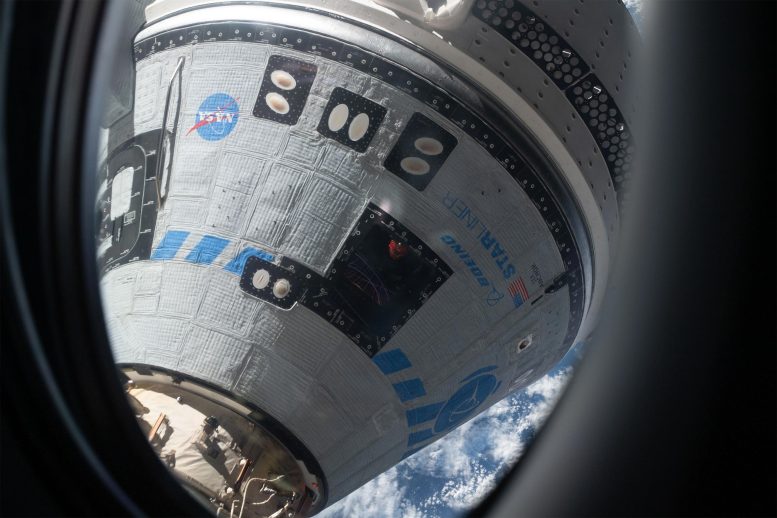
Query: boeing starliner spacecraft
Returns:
{"type": "Point", "coordinates": [332, 231]}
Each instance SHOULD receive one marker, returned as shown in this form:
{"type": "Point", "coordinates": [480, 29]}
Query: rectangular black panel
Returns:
{"type": "Point", "coordinates": [280, 285]}
{"type": "Point", "coordinates": [380, 278]}
{"type": "Point", "coordinates": [284, 89]}
{"type": "Point", "coordinates": [420, 151]}
{"type": "Point", "coordinates": [351, 119]}
{"type": "Point", "coordinates": [129, 237]}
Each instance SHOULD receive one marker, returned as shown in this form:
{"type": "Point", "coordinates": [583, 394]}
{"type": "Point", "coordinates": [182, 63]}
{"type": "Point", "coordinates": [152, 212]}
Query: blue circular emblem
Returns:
{"type": "Point", "coordinates": [463, 403]}
{"type": "Point", "coordinates": [216, 117]}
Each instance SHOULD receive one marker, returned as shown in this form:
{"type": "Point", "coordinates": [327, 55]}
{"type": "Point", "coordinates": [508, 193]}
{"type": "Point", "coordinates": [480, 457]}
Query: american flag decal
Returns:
{"type": "Point", "coordinates": [518, 292]}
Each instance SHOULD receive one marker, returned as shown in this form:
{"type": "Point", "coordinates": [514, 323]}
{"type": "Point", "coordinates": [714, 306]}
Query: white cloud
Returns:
{"type": "Point", "coordinates": [465, 465]}
{"type": "Point", "coordinates": [382, 497]}
{"type": "Point", "coordinates": [448, 457]}
{"type": "Point", "coordinates": [467, 491]}
{"type": "Point", "coordinates": [499, 430]}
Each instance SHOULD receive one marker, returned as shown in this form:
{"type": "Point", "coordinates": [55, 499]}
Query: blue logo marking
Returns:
{"type": "Point", "coordinates": [207, 250]}
{"type": "Point", "coordinates": [494, 296]}
{"type": "Point", "coordinates": [463, 403]}
{"type": "Point", "coordinates": [216, 118]}
{"type": "Point", "coordinates": [392, 361]}
{"type": "Point", "coordinates": [490, 243]}
{"type": "Point", "coordinates": [447, 415]}
{"type": "Point", "coordinates": [423, 414]}
{"type": "Point", "coordinates": [169, 245]}
{"type": "Point", "coordinates": [409, 389]}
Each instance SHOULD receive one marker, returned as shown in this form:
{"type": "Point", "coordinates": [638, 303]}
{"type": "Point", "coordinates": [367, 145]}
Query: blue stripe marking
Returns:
{"type": "Point", "coordinates": [392, 361]}
{"type": "Point", "coordinates": [237, 264]}
{"type": "Point", "coordinates": [423, 413]}
{"type": "Point", "coordinates": [410, 389]}
{"type": "Point", "coordinates": [207, 250]}
{"type": "Point", "coordinates": [420, 436]}
{"type": "Point", "coordinates": [170, 244]}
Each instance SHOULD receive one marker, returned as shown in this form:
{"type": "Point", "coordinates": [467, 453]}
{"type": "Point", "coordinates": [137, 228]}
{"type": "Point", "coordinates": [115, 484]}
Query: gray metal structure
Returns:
{"type": "Point", "coordinates": [364, 227]}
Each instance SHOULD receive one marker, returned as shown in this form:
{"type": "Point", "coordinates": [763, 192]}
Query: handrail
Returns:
{"type": "Point", "coordinates": [161, 146]}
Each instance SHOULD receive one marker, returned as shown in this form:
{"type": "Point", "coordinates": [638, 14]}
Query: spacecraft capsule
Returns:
{"type": "Point", "coordinates": [366, 232]}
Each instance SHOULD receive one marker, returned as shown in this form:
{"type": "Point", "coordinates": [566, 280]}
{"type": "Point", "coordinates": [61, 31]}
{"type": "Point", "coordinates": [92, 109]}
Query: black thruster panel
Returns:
{"type": "Point", "coordinates": [344, 119]}
{"type": "Point", "coordinates": [379, 279]}
{"type": "Point", "coordinates": [420, 151]}
{"type": "Point", "coordinates": [280, 285]}
{"type": "Point", "coordinates": [129, 237]}
{"type": "Point", "coordinates": [284, 89]}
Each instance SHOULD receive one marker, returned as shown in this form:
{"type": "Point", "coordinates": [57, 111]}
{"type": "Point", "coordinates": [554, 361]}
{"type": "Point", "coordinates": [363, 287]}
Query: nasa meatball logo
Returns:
{"type": "Point", "coordinates": [216, 118]}
{"type": "Point", "coordinates": [477, 387]}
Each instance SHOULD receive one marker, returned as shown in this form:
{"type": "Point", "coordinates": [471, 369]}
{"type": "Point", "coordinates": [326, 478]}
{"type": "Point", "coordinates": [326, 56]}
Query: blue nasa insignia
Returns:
{"type": "Point", "coordinates": [216, 118]}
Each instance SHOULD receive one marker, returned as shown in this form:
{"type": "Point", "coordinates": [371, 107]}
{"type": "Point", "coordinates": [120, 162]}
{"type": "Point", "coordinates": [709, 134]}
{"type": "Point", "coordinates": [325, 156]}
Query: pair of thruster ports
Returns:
{"type": "Point", "coordinates": [280, 288]}
{"type": "Point", "coordinates": [275, 101]}
{"type": "Point", "coordinates": [427, 146]}
{"type": "Point", "coordinates": [359, 126]}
